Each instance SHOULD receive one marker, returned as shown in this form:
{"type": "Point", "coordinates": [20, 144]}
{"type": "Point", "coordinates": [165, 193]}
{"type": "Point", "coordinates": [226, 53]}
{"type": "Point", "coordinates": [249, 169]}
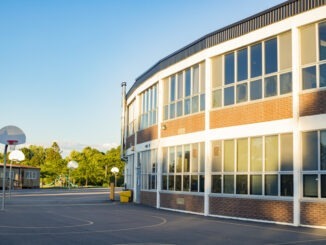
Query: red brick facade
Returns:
{"type": "Point", "coordinates": [130, 141]}
{"type": "Point", "coordinates": [184, 125]}
{"type": "Point", "coordinates": [313, 103]}
{"type": "Point", "coordinates": [313, 213]}
{"type": "Point", "coordinates": [191, 203]}
{"type": "Point", "coordinates": [267, 210]}
{"type": "Point", "coordinates": [148, 198]}
{"type": "Point", "coordinates": [270, 110]}
{"type": "Point", "coordinates": [147, 134]}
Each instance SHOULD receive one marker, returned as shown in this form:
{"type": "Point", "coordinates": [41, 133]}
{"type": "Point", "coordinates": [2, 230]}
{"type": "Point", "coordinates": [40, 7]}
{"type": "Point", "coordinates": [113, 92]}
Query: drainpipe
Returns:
{"type": "Point", "coordinates": [123, 121]}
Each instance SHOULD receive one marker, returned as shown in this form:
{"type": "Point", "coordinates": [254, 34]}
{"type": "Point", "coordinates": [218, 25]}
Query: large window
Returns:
{"type": "Point", "coordinates": [184, 168]}
{"type": "Point", "coordinates": [30, 174]}
{"type": "Point", "coordinates": [148, 163]}
{"type": "Point", "coordinates": [313, 56]}
{"type": "Point", "coordinates": [184, 92]}
{"type": "Point", "coordinates": [148, 115]}
{"type": "Point", "coordinates": [254, 72]}
{"type": "Point", "coordinates": [131, 118]}
{"type": "Point", "coordinates": [260, 165]}
{"type": "Point", "coordinates": [314, 164]}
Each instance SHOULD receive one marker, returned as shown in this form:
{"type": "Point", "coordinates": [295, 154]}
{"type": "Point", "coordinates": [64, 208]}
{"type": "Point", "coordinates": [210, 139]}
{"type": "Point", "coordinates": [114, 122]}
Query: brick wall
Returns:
{"type": "Point", "coordinates": [130, 141]}
{"type": "Point", "coordinates": [192, 203]}
{"type": "Point", "coordinates": [313, 103]}
{"type": "Point", "coordinates": [148, 198]}
{"type": "Point", "coordinates": [268, 210]}
{"type": "Point", "coordinates": [263, 111]}
{"type": "Point", "coordinates": [147, 134]}
{"type": "Point", "coordinates": [184, 125]}
{"type": "Point", "coordinates": [313, 213]}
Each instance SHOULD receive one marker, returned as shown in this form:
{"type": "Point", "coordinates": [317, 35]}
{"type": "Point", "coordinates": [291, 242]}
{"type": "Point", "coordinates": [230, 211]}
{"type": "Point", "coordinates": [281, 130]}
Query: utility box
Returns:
{"type": "Point", "coordinates": [126, 196]}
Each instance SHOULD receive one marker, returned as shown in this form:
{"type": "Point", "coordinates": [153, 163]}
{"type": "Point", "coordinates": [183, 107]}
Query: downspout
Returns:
{"type": "Point", "coordinates": [123, 121]}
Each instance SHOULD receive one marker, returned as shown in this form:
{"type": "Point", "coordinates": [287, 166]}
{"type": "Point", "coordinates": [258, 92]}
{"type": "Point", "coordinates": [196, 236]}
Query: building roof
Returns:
{"type": "Point", "coordinates": [277, 13]}
{"type": "Point", "coordinates": [19, 166]}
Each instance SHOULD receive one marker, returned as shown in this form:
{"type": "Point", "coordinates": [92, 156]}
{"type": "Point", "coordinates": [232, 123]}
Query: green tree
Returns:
{"type": "Point", "coordinates": [112, 159]}
{"type": "Point", "coordinates": [34, 156]}
{"type": "Point", "coordinates": [54, 165]}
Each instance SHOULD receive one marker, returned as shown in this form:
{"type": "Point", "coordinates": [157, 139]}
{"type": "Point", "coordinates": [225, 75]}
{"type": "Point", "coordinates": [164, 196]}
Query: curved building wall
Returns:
{"type": "Point", "coordinates": [236, 128]}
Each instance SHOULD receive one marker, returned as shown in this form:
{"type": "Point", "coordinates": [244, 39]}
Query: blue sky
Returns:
{"type": "Point", "coordinates": [62, 61]}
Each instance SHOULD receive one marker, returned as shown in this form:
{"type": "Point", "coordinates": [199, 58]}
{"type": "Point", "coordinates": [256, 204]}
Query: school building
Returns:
{"type": "Point", "coordinates": [234, 124]}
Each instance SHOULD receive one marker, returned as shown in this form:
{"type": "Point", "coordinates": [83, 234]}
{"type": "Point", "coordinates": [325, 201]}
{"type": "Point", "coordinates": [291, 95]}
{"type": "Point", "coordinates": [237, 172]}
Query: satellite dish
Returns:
{"type": "Point", "coordinates": [16, 155]}
{"type": "Point", "coordinates": [72, 164]}
{"type": "Point", "coordinates": [12, 135]}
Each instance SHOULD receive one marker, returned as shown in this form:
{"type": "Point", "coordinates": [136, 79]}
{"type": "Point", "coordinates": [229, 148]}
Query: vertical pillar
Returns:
{"type": "Point", "coordinates": [297, 184]}
{"type": "Point", "coordinates": [160, 95]}
{"type": "Point", "coordinates": [208, 160]}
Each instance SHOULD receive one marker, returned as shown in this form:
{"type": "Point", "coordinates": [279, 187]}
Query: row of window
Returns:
{"type": "Point", "coordinates": [184, 92]}
{"type": "Point", "coordinates": [313, 56]}
{"type": "Point", "coordinates": [30, 174]}
{"type": "Point", "coordinates": [249, 166]}
{"type": "Point", "coordinates": [183, 167]}
{"type": "Point", "coordinates": [148, 115]}
{"type": "Point", "coordinates": [148, 163]}
{"type": "Point", "coordinates": [255, 166]}
{"type": "Point", "coordinates": [257, 71]}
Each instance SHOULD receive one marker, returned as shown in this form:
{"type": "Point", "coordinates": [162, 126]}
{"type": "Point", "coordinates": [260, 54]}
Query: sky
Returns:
{"type": "Point", "coordinates": [62, 62]}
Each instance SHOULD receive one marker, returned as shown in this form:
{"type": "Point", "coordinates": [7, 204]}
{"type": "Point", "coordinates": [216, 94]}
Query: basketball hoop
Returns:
{"type": "Point", "coordinates": [9, 136]}
{"type": "Point", "coordinates": [12, 142]}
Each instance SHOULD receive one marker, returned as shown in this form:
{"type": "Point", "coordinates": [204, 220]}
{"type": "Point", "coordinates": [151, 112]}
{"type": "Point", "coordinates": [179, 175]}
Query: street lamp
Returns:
{"type": "Point", "coordinates": [9, 135]}
{"type": "Point", "coordinates": [115, 171]}
{"type": "Point", "coordinates": [71, 165]}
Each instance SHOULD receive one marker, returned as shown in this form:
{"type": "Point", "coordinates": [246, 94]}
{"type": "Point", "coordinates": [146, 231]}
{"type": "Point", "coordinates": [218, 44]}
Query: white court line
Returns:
{"type": "Point", "coordinates": [63, 194]}
{"type": "Point", "coordinates": [163, 221]}
{"type": "Point", "coordinates": [88, 222]}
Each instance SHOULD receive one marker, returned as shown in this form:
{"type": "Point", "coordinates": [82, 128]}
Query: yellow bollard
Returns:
{"type": "Point", "coordinates": [112, 191]}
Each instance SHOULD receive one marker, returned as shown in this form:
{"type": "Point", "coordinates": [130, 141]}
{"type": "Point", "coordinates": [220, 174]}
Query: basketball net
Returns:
{"type": "Point", "coordinates": [12, 144]}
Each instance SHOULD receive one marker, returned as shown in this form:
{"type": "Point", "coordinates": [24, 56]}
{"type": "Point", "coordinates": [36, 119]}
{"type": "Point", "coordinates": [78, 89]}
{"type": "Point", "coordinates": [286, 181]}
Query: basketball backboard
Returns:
{"type": "Point", "coordinates": [72, 165]}
{"type": "Point", "coordinates": [16, 155]}
{"type": "Point", "coordinates": [12, 135]}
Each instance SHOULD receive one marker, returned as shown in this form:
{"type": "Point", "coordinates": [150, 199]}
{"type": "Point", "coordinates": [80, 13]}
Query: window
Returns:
{"type": "Point", "coordinates": [148, 115]}
{"type": "Point", "coordinates": [256, 60]}
{"type": "Point", "coordinates": [254, 166]}
{"type": "Point", "coordinates": [314, 164]}
{"type": "Point", "coordinates": [255, 90]}
{"type": "Point", "coordinates": [271, 56]}
{"type": "Point", "coordinates": [185, 169]}
{"type": "Point", "coordinates": [242, 65]}
{"type": "Point", "coordinates": [184, 92]}
{"type": "Point", "coordinates": [216, 184]}
{"type": "Point", "coordinates": [313, 56]}
{"type": "Point", "coordinates": [148, 164]}
{"type": "Point", "coordinates": [30, 174]}
{"type": "Point", "coordinates": [131, 118]}
{"type": "Point", "coordinates": [258, 71]}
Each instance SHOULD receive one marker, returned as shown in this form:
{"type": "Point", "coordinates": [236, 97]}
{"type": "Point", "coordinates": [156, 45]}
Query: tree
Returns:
{"type": "Point", "coordinates": [53, 165]}
{"type": "Point", "coordinates": [34, 156]}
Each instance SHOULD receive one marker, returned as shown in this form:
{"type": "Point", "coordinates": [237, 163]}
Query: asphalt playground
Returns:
{"type": "Point", "coordinates": [87, 216]}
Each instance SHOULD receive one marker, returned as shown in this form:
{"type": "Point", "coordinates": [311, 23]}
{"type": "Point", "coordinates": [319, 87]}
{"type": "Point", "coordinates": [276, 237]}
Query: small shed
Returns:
{"type": "Point", "coordinates": [21, 176]}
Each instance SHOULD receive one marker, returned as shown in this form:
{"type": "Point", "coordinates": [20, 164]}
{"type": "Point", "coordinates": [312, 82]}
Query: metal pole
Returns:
{"type": "Point", "coordinates": [115, 179]}
{"type": "Point", "coordinates": [69, 179]}
{"type": "Point", "coordinates": [10, 179]}
{"type": "Point", "coordinates": [4, 178]}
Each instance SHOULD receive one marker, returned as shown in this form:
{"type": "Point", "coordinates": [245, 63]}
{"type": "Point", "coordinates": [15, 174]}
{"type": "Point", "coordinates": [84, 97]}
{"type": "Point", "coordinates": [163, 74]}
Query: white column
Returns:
{"type": "Point", "coordinates": [159, 148]}
{"type": "Point", "coordinates": [297, 184]}
{"type": "Point", "coordinates": [137, 179]}
{"type": "Point", "coordinates": [208, 155]}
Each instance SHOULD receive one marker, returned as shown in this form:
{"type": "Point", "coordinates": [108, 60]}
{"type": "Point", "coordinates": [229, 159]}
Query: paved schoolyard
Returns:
{"type": "Point", "coordinates": [86, 216]}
